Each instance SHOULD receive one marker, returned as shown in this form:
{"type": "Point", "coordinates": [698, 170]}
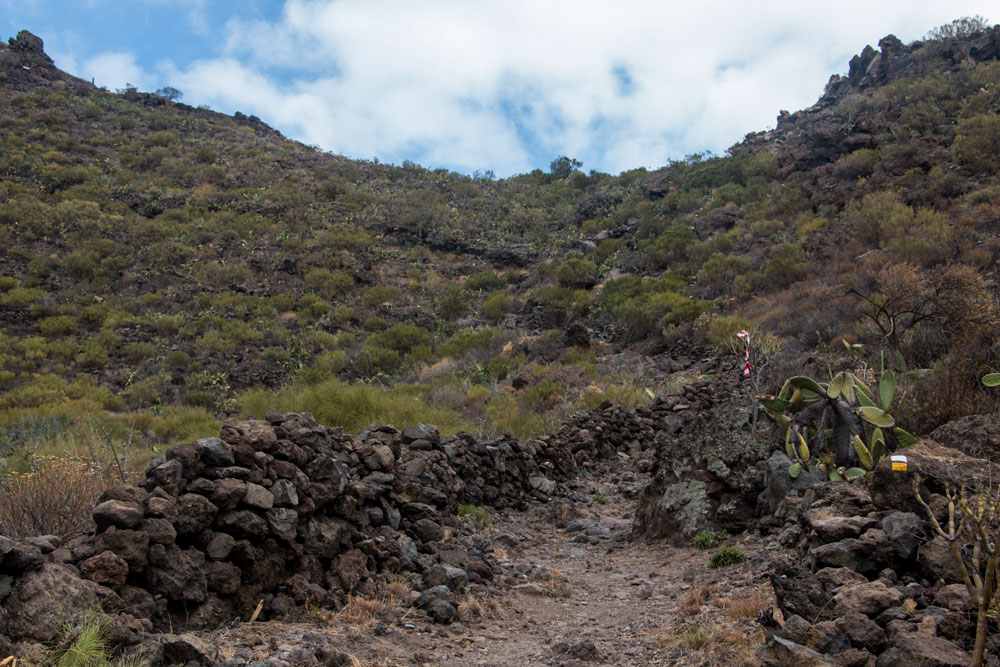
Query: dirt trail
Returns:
{"type": "Point", "coordinates": [575, 590]}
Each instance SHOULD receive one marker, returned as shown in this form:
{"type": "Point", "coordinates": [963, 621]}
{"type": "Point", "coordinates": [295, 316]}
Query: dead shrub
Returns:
{"type": "Point", "coordinates": [360, 611]}
{"type": "Point", "coordinates": [691, 603]}
{"type": "Point", "coordinates": [745, 606]}
{"type": "Point", "coordinates": [55, 498]}
{"type": "Point", "coordinates": [477, 607]}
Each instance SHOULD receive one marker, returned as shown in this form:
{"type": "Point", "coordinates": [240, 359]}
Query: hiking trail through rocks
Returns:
{"type": "Point", "coordinates": [576, 588]}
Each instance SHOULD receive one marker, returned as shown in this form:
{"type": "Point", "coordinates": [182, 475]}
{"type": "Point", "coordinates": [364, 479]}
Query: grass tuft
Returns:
{"type": "Point", "coordinates": [727, 555]}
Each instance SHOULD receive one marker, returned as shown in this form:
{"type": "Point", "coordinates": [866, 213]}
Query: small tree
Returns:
{"type": "Point", "coordinates": [898, 298]}
{"type": "Point", "coordinates": [960, 28]}
{"type": "Point", "coordinates": [563, 167]}
{"type": "Point", "coordinates": [170, 93]}
{"type": "Point", "coordinates": [973, 519]}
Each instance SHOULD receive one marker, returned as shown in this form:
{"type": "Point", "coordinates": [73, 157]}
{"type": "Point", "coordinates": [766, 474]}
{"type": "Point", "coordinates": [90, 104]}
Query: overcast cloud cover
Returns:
{"type": "Point", "coordinates": [474, 85]}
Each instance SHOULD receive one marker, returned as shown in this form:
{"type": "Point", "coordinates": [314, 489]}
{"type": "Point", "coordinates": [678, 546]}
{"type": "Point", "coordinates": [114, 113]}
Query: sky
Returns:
{"type": "Point", "coordinates": [483, 85]}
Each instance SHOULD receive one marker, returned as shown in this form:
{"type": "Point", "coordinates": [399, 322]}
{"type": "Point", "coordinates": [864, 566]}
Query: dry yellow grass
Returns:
{"type": "Point", "coordinates": [360, 611]}
{"type": "Point", "coordinates": [691, 603]}
{"type": "Point", "coordinates": [473, 606]}
{"type": "Point", "coordinates": [746, 605]}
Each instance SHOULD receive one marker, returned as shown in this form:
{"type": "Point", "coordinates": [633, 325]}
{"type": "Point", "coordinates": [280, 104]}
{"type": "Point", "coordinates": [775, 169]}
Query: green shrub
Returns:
{"type": "Point", "coordinates": [401, 337]}
{"type": "Point", "coordinates": [381, 294]}
{"type": "Point", "coordinates": [179, 423]}
{"type": "Point", "coordinates": [600, 499]}
{"type": "Point", "coordinates": [786, 264]}
{"type": "Point", "coordinates": [149, 391]}
{"type": "Point", "coordinates": [706, 539]}
{"type": "Point", "coordinates": [720, 270]}
{"type": "Point", "coordinates": [543, 395]}
{"type": "Point", "coordinates": [328, 283]}
{"type": "Point", "coordinates": [352, 407]}
{"type": "Point", "coordinates": [317, 340]}
{"type": "Point", "coordinates": [324, 366]}
{"type": "Point", "coordinates": [93, 353]}
{"type": "Point", "coordinates": [977, 142]}
{"type": "Point", "coordinates": [484, 280]}
{"type": "Point", "coordinates": [728, 555]}
{"type": "Point", "coordinates": [505, 416]}
{"type": "Point", "coordinates": [497, 304]}
{"type": "Point", "coordinates": [59, 325]}
{"type": "Point", "coordinates": [577, 272]}
{"type": "Point", "coordinates": [277, 356]}
{"type": "Point", "coordinates": [453, 302]}
{"type": "Point", "coordinates": [480, 513]}
{"type": "Point", "coordinates": [375, 324]}
{"type": "Point", "coordinates": [343, 314]}
{"type": "Point", "coordinates": [7, 283]}
{"type": "Point", "coordinates": [465, 341]}
{"type": "Point", "coordinates": [722, 329]}
{"type": "Point", "coordinates": [374, 359]}
{"type": "Point", "coordinates": [22, 297]}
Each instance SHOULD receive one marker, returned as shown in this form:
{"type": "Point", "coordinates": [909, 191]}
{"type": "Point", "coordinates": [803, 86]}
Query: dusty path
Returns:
{"type": "Point", "coordinates": [574, 590]}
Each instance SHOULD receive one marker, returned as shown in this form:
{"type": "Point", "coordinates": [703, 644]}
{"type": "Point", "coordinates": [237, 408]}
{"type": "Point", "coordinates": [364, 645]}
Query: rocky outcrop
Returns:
{"type": "Point", "coordinates": [705, 465]}
{"type": "Point", "coordinates": [866, 583]}
{"type": "Point", "coordinates": [975, 435]}
{"type": "Point", "coordinates": [25, 65]}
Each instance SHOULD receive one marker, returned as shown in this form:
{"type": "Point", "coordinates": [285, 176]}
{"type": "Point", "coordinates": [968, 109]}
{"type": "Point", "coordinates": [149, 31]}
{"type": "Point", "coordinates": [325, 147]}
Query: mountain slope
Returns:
{"type": "Point", "coordinates": [155, 255]}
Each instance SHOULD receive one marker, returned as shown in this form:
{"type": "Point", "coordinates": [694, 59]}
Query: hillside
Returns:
{"type": "Point", "coordinates": [269, 331]}
{"type": "Point", "coordinates": [172, 265]}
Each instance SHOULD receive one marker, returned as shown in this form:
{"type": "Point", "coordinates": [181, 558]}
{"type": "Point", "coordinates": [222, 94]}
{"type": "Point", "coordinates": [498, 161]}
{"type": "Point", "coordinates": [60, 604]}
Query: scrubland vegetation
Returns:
{"type": "Point", "coordinates": [163, 267]}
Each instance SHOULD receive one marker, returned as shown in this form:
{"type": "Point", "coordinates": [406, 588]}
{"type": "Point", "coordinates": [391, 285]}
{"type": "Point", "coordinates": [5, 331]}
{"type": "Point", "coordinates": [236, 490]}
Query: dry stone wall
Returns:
{"type": "Point", "coordinates": [287, 511]}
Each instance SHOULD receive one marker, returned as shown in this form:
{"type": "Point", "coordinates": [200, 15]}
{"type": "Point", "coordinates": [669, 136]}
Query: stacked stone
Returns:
{"type": "Point", "coordinates": [290, 512]}
{"type": "Point", "coordinates": [875, 584]}
{"type": "Point", "coordinates": [287, 511]}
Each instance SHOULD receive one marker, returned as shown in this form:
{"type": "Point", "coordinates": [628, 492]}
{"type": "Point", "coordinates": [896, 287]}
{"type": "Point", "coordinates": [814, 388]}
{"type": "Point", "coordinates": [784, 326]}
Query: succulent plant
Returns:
{"type": "Point", "coordinates": [837, 417]}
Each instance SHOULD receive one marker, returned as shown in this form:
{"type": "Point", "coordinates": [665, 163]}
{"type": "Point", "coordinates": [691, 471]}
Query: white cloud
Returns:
{"type": "Point", "coordinates": [116, 70]}
{"type": "Point", "coordinates": [510, 85]}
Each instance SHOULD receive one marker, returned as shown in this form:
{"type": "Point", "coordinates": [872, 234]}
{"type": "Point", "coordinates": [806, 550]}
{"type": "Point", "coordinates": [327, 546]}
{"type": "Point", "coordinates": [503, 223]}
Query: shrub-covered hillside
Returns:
{"type": "Point", "coordinates": [162, 266]}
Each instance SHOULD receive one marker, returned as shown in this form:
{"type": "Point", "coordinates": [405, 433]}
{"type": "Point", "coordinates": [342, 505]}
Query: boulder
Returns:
{"type": "Point", "coordinates": [454, 578]}
{"type": "Point", "coordinates": [106, 569]}
{"type": "Point", "coordinates": [937, 562]}
{"type": "Point", "coordinates": [922, 649]}
{"type": "Point", "coordinates": [216, 453]}
{"type": "Point", "coordinates": [177, 574]}
{"type": "Point", "coordinates": [439, 603]}
{"type": "Point", "coordinates": [132, 546]}
{"type": "Point", "coordinates": [870, 599]}
{"type": "Point", "coordinates": [861, 631]}
{"type": "Point", "coordinates": [351, 568]}
{"type": "Point", "coordinates": [187, 648]}
{"type": "Point", "coordinates": [905, 531]}
{"type": "Point", "coordinates": [117, 513]}
{"type": "Point", "coordinates": [44, 600]}
{"type": "Point", "coordinates": [955, 597]}
{"type": "Point", "coordinates": [975, 435]}
{"type": "Point", "coordinates": [195, 513]}
{"type": "Point", "coordinates": [798, 630]}
{"type": "Point", "coordinates": [705, 473]}
{"type": "Point", "coordinates": [937, 465]}
{"type": "Point", "coordinates": [799, 593]}
{"type": "Point", "coordinates": [779, 652]}
{"type": "Point", "coordinates": [18, 557]}
{"type": "Point", "coordinates": [837, 528]}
